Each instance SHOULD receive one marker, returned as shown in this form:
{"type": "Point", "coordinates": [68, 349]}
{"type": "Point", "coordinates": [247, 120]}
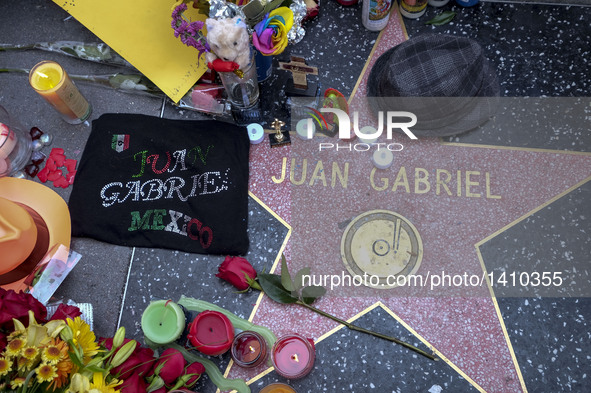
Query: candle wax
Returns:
{"type": "Point", "coordinates": [48, 78]}
{"type": "Point", "coordinates": [277, 388]}
{"type": "Point", "coordinates": [305, 129]}
{"type": "Point", "coordinates": [292, 355]}
{"type": "Point", "coordinates": [163, 322]}
{"type": "Point", "coordinates": [211, 330]}
{"type": "Point", "coordinates": [248, 349]}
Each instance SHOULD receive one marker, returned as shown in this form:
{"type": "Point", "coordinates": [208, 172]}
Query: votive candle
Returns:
{"type": "Point", "coordinates": [278, 388]}
{"type": "Point", "coordinates": [163, 322]}
{"type": "Point", "coordinates": [383, 158]}
{"type": "Point", "coordinates": [305, 129]}
{"type": "Point", "coordinates": [293, 356]}
{"type": "Point", "coordinates": [249, 349]}
{"type": "Point", "coordinates": [211, 333]}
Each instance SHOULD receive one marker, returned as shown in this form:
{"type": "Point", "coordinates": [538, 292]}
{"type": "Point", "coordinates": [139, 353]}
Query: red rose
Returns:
{"type": "Point", "coordinates": [140, 362]}
{"type": "Point", "coordinates": [65, 311]}
{"type": "Point", "coordinates": [17, 305]}
{"type": "Point", "coordinates": [134, 384]}
{"type": "Point", "coordinates": [234, 270]}
{"type": "Point", "coordinates": [170, 365]}
{"type": "Point", "coordinates": [194, 368]}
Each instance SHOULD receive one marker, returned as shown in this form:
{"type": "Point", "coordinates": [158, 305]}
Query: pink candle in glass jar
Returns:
{"type": "Point", "coordinates": [293, 356]}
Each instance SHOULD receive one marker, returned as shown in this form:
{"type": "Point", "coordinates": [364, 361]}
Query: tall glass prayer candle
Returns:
{"type": "Point", "coordinates": [163, 322]}
{"type": "Point", "coordinates": [211, 333]}
{"type": "Point", "coordinates": [293, 356]}
{"type": "Point", "coordinates": [277, 388]}
{"type": "Point", "coordinates": [52, 82]}
{"type": "Point", "coordinates": [249, 349]}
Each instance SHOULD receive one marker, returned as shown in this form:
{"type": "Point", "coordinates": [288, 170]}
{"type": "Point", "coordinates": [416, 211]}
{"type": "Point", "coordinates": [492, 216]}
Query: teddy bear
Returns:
{"type": "Point", "coordinates": [229, 42]}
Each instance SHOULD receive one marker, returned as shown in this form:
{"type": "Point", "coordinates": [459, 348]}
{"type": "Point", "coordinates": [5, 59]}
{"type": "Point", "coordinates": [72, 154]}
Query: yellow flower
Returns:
{"type": "Point", "coordinates": [51, 353]}
{"type": "Point", "coordinates": [46, 372]}
{"type": "Point", "coordinates": [64, 364]}
{"type": "Point", "coordinates": [30, 353]}
{"type": "Point", "coordinates": [83, 337]}
{"type": "Point", "coordinates": [99, 385]}
{"type": "Point", "coordinates": [5, 366]}
{"type": "Point", "coordinates": [17, 382]}
{"type": "Point", "coordinates": [23, 364]}
{"type": "Point", "coordinates": [14, 347]}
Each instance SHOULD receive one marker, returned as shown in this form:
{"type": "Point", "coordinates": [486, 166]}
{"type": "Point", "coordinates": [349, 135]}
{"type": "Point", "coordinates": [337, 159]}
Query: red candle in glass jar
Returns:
{"type": "Point", "coordinates": [211, 333]}
{"type": "Point", "coordinates": [293, 356]}
{"type": "Point", "coordinates": [249, 349]}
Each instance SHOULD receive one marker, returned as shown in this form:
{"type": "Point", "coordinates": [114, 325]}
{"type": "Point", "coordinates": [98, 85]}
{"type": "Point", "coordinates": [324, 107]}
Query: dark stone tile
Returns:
{"type": "Point", "coordinates": [548, 325]}
{"type": "Point", "coordinates": [537, 50]}
{"type": "Point", "coordinates": [350, 361]}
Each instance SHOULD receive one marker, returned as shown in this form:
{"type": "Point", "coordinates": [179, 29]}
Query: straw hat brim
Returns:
{"type": "Point", "coordinates": [47, 203]}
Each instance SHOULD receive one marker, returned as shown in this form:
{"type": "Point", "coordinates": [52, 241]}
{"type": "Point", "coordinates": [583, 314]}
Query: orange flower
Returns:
{"type": "Point", "coordinates": [64, 368]}
{"type": "Point", "coordinates": [64, 364]}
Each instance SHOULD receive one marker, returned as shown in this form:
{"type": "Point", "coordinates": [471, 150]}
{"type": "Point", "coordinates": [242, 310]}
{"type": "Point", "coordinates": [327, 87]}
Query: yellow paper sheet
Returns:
{"type": "Point", "coordinates": [140, 31]}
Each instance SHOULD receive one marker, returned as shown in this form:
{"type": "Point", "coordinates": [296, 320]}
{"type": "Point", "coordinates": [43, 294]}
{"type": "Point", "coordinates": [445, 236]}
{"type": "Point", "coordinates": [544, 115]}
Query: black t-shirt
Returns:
{"type": "Point", "coordinates": [150, 182]}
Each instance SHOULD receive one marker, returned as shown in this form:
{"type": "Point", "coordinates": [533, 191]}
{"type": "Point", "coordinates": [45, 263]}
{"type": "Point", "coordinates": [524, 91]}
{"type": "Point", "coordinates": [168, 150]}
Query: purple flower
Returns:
{"type": "Point", "coordinates": [179, 10]}
{"type": "Point", "coordinates": [189, 33]}
{"type": "Point", "coordinates": [181, 29]}
{"type": "Point", "coordinates": [195, 27]}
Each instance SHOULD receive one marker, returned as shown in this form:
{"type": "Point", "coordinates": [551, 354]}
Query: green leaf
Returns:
{"type": "Point", "coordinates": [285, 277]}
{"type": "Point", "coordinates": [94, 369]}
{"type": "Point", "coordinates": [310, 294]}
{"type": "Point", "coordinates": [298, 281]}
{"type": "Point", "coordinates": [69, 51]}
{"type": "Point", "coordinates": [75, 357]}
{"type": "Point", "coordinates": [271, 284]}
{"type": "Point", "coordinates": [441, 19]}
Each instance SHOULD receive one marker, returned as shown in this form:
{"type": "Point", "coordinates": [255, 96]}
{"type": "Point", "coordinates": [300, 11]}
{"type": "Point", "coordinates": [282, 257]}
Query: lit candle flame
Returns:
{"type": "Point", "coordinates": [295, 357]}
{"type": "Point", "coordinates": [251, 349]}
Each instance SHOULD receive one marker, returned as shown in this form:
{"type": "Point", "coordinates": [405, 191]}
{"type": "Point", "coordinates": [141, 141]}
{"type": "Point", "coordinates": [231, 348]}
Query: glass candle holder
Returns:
{"type": "Point", "coordinates": [15, 144]}
{"type": "Point", "coordinates": [242, 91]}
{"type": "Point", "coordinates": [277, 388]}
{"type": "Point", "coordinates": [52, 82]}
{"type": "Point", "coordinates": [293, 356]}
{"type": "Point", "coordinates": [249, 349]}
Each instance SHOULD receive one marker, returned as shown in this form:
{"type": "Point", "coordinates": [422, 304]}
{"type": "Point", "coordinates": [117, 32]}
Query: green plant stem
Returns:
{"type": "Point", "coordinates": [360, 329]}
{"type": "Point", "coordinates": [27, 380]}
{"type": "Point", "coordinates": [4, 47]}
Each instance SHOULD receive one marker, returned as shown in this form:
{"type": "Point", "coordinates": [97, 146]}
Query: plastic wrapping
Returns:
{"type": "Point", "coordinates": [97, 52]}
{"type": "Point", "coordinates": [51, 272]}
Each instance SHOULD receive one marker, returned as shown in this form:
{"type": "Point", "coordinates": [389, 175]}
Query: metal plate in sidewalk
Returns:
{"type": "Point", "coordinates": [383, 244]}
